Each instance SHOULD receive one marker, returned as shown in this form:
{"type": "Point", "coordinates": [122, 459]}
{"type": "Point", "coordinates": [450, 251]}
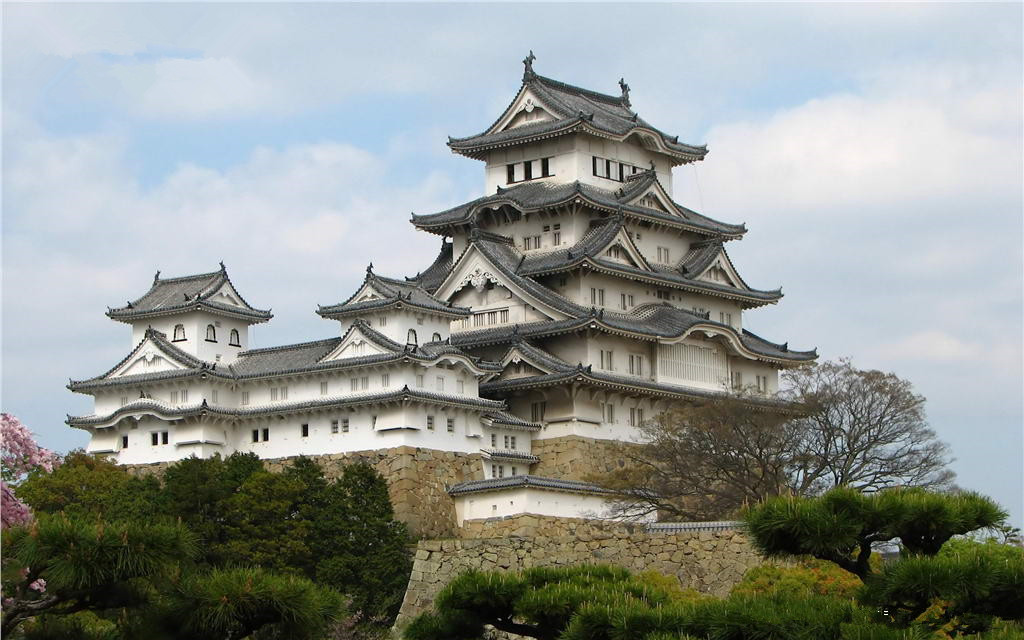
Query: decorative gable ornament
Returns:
{"type": "Point", "coordinates": [478, 279]}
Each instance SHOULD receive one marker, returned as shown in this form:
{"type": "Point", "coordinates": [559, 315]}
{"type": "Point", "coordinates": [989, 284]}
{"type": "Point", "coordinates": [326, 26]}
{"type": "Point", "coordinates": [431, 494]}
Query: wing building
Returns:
{"type": "Point", "coordinates": [573, 301]}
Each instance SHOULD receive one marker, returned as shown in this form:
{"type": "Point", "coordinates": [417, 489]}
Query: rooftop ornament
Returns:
{"type": "Point", "coordinates": [528, 73]}
{"type": "Point", "coordinates": [625, 91]}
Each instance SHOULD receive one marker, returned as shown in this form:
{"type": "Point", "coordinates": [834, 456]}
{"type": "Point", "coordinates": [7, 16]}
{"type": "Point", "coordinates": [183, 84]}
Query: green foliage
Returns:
{"type": "Point", "coordinates": [808, 577]}
{"type": "Point", "coordinates": [671, 587]}
{"type": "Point", "coordinates": [359, 546]}
{"type": "Point", "coordinates": [842, 525]}
{"type": "Point", "coordinates": [90, 487]}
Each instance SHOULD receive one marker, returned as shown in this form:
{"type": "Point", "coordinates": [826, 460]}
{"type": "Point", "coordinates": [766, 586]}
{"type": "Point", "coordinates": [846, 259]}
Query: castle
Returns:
{"type": "Point", "coordinates": [570, 304]}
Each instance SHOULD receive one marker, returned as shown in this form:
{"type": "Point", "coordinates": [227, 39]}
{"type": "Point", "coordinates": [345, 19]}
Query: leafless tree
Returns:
{"type": "Point", "coordinates": [834, 425]}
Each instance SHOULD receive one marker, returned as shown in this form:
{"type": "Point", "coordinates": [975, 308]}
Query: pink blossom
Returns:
{"type": "Point", "coordinates": [19, 452]}
{"type": "Point", "coordinates": [38, 585]}
{"type": "Point", "coordinates": [13, 512]}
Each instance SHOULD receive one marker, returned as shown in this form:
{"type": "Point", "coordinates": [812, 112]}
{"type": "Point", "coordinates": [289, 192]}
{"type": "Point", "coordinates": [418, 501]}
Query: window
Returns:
{"type": "Point", "coordinates": [528, 170]}
{"type": "Point", "coordinates": [344, 424]}
{"type": "Point", "coordinates": [737, 379]}
{"type": "Point", "coordinates": [501, 471]}
{"type": "Point", "coordinates": [762, 383]}
{"type": "Point", "coordinates": [255, 435]}
{"type": "Point", "coordinates": [451, 425]}
{"type": "Point", "coordinates": [410, 338]}
{"type": "Point", "coordinates": [305, 431]}
{"type": "Point", "coordinates": [154, 438]}
{"type": "Point", "coordinates": [334, 426]}
{"type": "Point", "coordinates": [613, 170]}
{"type": "Point", "coordinates": [419, 381]}
{"type": "Point", "coordinates": [385, 379]}
{"type": "Point", "coordinates": [233, 339]}
{"type": "Point", "coordinates": [609, 412]}
{"type": "Point", "coordinates": [636, 364]}
{"type": "Point", "coordinates": [124, 400]}
{"type": "Point", "coordinates": [460, 386]}
{"type": "Point", "coordinates": [494, 471]}
{"type": "Point", "coordinates": [545, 167]}
{"type": "Point", "coordinates": [725, 318]}
{"type": "Point", "coordinates": [266, 434]}
{"type": "Point", "coordinates": [373, 422]}
{"type": "Point", "coordinates": [663, 255]}
{"type": "Point", "coordinates": [597, 297]}
{"type": "Point", "coordinates": [355, 384]}
{"type": "Point", "coordinates": [163, 437]}
{"type": "Point", "coordinates": [512, 442]}
{"type": "Point", "coordinates": [522, 171]}
{"type": "Point", "coordinates": [515, 471]}
{"type": "Point", "coordinates": [494, 441]}
{"type": "Point", "coordinates": [537, 410]}
{"type": "Point", "coordinates": [662, 294]}
{"type": "Point", "coordinates": [174, 397]}
{"type": "Point", "coordinates": [273, 394]}
{"type": "Point", "coordinates": [436, 337]}
{"type": "Point", "coordinates": [382, 321]}
{"type": "Point", "coordinates": [214, 396]}
{"type": "Point", "coordinates": [510, 173]}
{"type": "Point", "coordinates": [506, 442]}
{"type": "Point", "coordinates": [607, 360]}
{"type": "Point", "coordinates": [430, 423]}
{"type": "Point", "coordinates": [211, 333]}
{"type": "Point", "coordinates": [492, 317]}
{"type": "Point", "coordinates": [364, 383]}
{"type": "Point", "coordinates": [124, 442]}
{"type": "Point", "coordinates": [323, 388]}
{"type": "Point", "coordinates": [184, 396]}
{"type": "Point", "coordinates": [179, 333]}
{"type": "Point", "coordinates": [440, 383]}
{"type": "Point", "coordinates": [636, 416]}
{"type": "Point", "coordinates": [556, 238]}
{"type": "Point", "coordinates": [245, 397]}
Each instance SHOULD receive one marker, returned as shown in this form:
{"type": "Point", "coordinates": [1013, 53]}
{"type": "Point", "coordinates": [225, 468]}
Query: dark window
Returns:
{"type": "Point", "coordinates": [163, 437]}
{"type": "Point", "coordinates": [410, 338]}
{"type": "Point", "coordinates": [608, 169]}
{"type": "Point", "coordinates": [266, 434]}
{"type": "Point", "coordinates": [255, 435]}
{"type": "Point", "coordinates": [622, 172]}
{"type": "Point", "coordinates": [211, 333]}
{"type": "Point", "coordinates": [528, 170]}
{"type": "Point", "coordinates": [154, 438]}
{"type": "Point", "coordinates": [595, 164]}
{"type": "Point", "coordinates": [124, 442]}
{"type": "Point", "coordinates": [179, 332]}
{"type": "Point", "coordinates": [344, 424]}
{"type": "Point", "coordinates": [545, 167]}
{"type": "Point", "coordinates": [233, 339]}
{"type": "Point", "coordinates": [305, 431]}
{"type": "Point", "coordinates": [436, 337]}
{"type": "Point", "coordinates": [511, 171]}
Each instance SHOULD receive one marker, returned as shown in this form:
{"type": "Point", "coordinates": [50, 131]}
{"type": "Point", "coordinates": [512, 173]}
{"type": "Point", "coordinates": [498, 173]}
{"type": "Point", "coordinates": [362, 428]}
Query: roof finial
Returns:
{"type": "Point", "coordinates": [528, 73]}
{"type": "Point", "coordinates": [222, 267]}
{"type": "Point", "coordinates": [652, 165]}
{"type": "Point", "coordinates": [156, 276]}
{"type": "Point", "coordinates": [625, 91]}
{"type": "Point", "coordinates": [369, 268]}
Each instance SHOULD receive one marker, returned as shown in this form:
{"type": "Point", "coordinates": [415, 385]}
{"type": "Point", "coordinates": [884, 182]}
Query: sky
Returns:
{"type": "Point", "coordinates": [873, 150]}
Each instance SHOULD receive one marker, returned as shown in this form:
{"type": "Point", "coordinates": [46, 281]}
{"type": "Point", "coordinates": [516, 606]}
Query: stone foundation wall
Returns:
{"type": "Point", "coordinates": [416, 481]}
{"type": "Point", "coordinates": [576, 457]}
{"type": "Point", "coordinates": [710, 562]}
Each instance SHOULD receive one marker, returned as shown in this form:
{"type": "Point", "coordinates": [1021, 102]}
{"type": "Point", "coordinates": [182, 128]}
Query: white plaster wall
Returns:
{"type": "Point", "coordinates": [195, 334]}
{"type": "Point", "coordinates": [508, 502]}
{"type": "Point", "coordinates": [562, 164]}
{"type": "Point", "coordinates": [629, 152]}
{"type": "Point", "coordinates": [396, 324]}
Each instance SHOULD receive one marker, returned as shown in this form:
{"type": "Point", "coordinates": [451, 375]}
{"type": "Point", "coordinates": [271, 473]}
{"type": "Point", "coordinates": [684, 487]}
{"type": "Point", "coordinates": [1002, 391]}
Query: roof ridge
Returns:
{"type": "Point", "coordinates": [197, 276]}
{"type": "Point", "coordinates": [586, 93]}
{"type": "Point", "coordinates": [284, 347]}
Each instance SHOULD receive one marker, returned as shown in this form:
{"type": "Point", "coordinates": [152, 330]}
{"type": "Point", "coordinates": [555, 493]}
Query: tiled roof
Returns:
{"type": "Point", "coordinates": [404, 394]}
{"type": "Point", "coordinates": [542, 194]}
{"type": "Point", "coordinates": [175, 295]}
{"type": "Point", "coordinates": [432, 277]}
{"type": "Point", "coordinates": [394, 293]}
{"type": "Point", "coordinates": [675, 527]}
{"type": "Point", "coordinates": [510, 454]}
{"type": "Point", "coordinates": [517, 482]}
{"type": "Point", "coordinates": [507, 420]}
{"type": "Point", "coordinates": [576, 109]}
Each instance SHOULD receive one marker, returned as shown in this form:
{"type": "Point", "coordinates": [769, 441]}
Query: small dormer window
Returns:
{"type": "Point", "coordinates": [233, 338]}
{"type": "Point", "coordinates": [410, 338]}
{"type": "Point", "coordinates": [436, 337]}
{"type": "Point", "coordinates": [179, 332]}
{"type": "Point", "coordinates": [211, 333]}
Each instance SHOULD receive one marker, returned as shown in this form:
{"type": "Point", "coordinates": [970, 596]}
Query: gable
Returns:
{"type": "Point", "coordinates": [526, 109]}
{"type": "Point", "coordinates": [367, 292]}
{"type": "Point", "coordinates": [621, 249]}
{"type": "Point", "coordinates": [656, 198]}
{"type": "Point", "coordinates": [519, 369]}
{"type": "Point", "coordinates": [475, 273]}
{"type": "Point", "coordinates": [355, 345]}
{"type": "Point", "coordinates": [226, 295]}
{"type": "Point", "coordinates": [721, 271]}
{"type": "Point", "coordinates": [149, 358]}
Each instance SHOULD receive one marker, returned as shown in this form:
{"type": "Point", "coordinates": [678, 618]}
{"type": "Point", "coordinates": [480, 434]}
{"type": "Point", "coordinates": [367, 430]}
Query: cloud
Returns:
{"type": "Point", "coordinates": [931, 345]}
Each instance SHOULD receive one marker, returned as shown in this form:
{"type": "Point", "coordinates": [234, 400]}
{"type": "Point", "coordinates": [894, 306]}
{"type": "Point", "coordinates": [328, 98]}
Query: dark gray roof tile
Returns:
{"type": "Point", "coordinates": [516, 482]}
{"type": "Point", "coordinates": [394, 293]}
{"type": "Point", "coordinates": [176, 295]}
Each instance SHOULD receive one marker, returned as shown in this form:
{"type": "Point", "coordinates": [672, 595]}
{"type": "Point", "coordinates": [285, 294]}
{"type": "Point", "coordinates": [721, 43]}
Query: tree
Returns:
{"type": "Point", "coordinates": [19, 456]}
{"type": "Point", "coordinates": [863, 429]}
{"type": "Point", "coordinates": [62, 566]}
{"type": "Point", "coordinates": [360, 547]}
{"type": "Point", "coordinates": [91, 487]}
{"type": "Point", "coordinates": [965, 589]}
{"type": "Point", "coordinates": [834, 425]}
